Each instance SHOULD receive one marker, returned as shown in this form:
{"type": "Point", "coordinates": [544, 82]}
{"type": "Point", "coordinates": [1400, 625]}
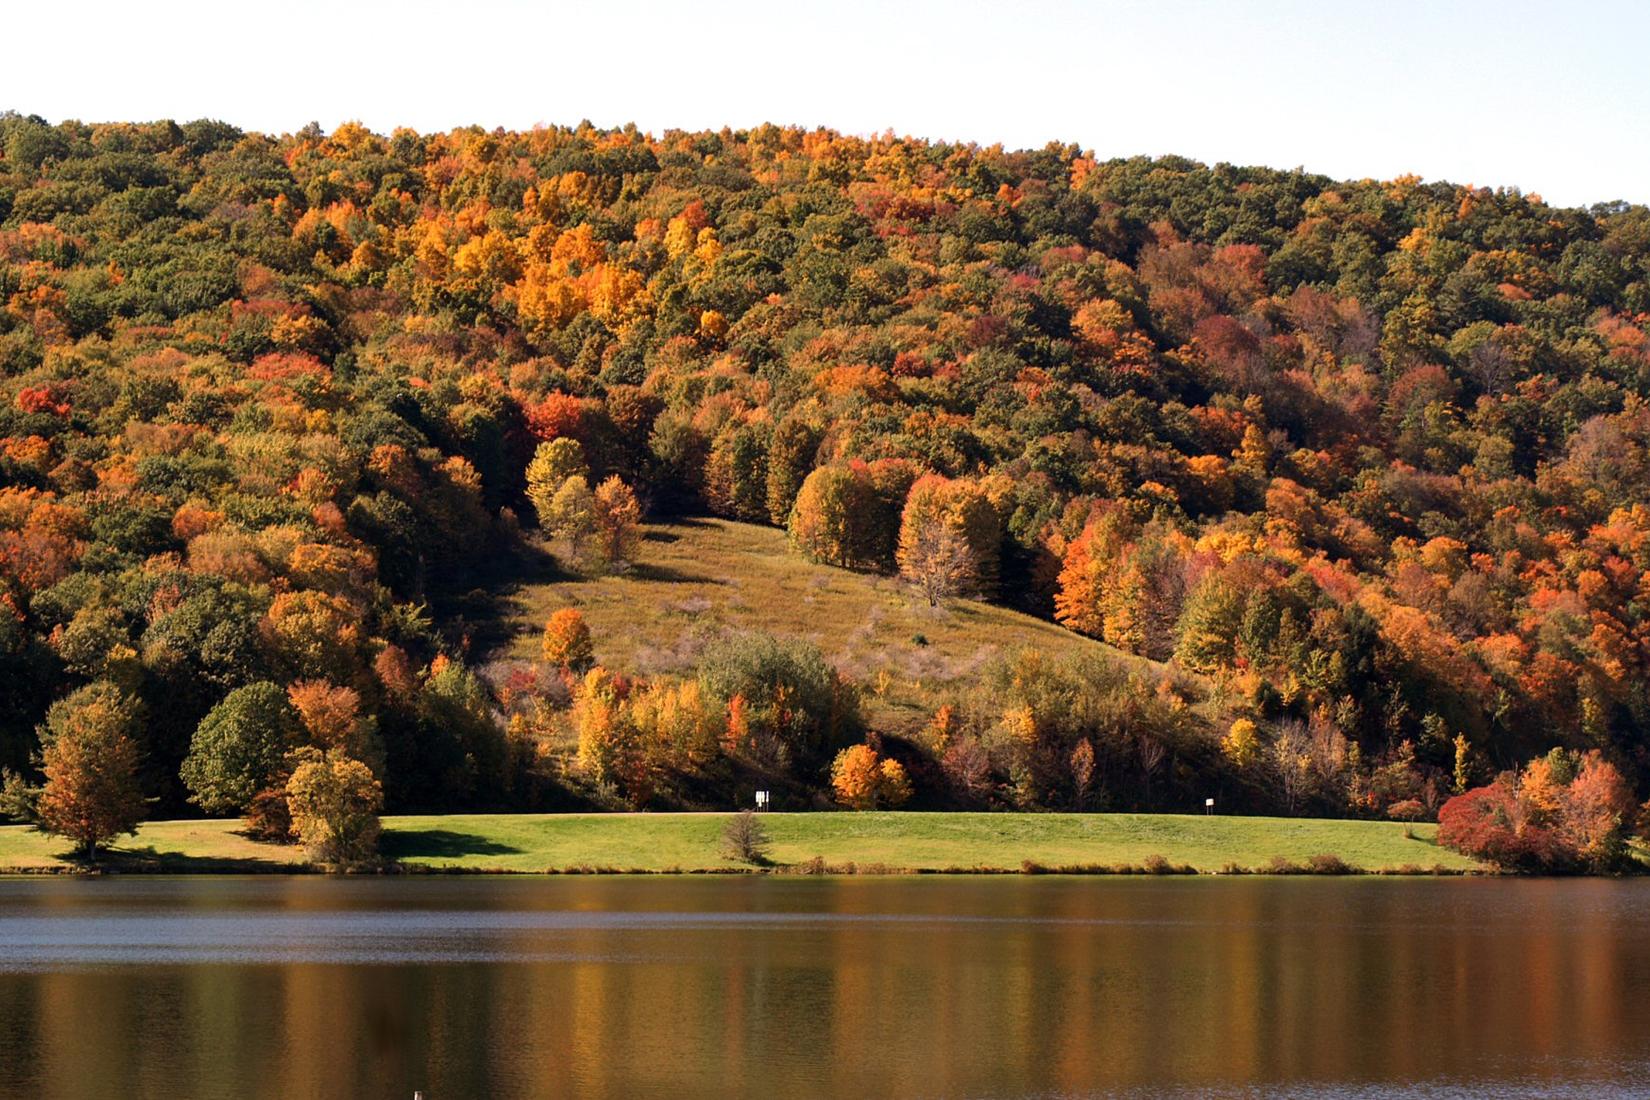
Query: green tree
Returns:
{"type": "Point", "coordinates": [456, 720]}
{"type": "Point", "coordinates": [790, 456]}
{"type": "Point", "coordinates": [239, 748]}
{"type": "Point", "coordinates": [798, 709]}
{"type": "Point", "coordinates": [1209, 625]}
{"type": "Point", "coordinates": [736, 473]}
{"type": "Point", "coordinates": [572, 517]}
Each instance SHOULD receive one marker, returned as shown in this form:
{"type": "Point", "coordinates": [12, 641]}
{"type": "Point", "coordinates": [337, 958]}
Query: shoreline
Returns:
{"type": "Point", "coordinates": [120, 868]}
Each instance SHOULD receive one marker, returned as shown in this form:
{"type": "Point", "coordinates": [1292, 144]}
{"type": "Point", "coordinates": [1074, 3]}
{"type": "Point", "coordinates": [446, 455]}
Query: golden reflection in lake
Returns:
{"type": "Point", "coordinates": [780, 987]}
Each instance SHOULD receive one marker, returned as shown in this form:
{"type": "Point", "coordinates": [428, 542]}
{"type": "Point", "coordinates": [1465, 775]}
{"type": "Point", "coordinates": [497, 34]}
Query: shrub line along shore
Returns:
{"type": "Point", "coordinates": [802, 843]}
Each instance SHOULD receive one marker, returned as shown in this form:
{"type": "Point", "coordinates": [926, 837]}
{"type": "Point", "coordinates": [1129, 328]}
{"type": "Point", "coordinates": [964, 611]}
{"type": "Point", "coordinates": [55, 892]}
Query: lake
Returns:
{"type": "Point", "coordinates": [314, 987]}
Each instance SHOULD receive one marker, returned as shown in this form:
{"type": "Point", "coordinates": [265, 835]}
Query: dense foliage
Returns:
{"type": "Point", "coordinates": [334, 801]}
{"type": "Point", "coordinates": [1564, 812]}
{"type": "Point", "coordinates": [1370, 458]}
{"type": "Point", "coordinates": [89, 761]}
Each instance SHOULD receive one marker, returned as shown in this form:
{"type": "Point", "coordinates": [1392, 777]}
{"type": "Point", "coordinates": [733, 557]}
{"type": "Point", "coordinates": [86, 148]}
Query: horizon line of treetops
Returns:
{"type": "Point", "coordinates": [1360, 467]}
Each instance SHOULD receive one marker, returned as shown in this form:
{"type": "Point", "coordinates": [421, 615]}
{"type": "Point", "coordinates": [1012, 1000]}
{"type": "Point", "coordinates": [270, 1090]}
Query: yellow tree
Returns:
{"type": "Point", "coordinates": [854, 777]}
{"type": "Point", "coordinates": [572, 516]}
{"type": "Point", "coordinates": [334, 801]}
{"type": "Point", "coordinates": [567, 640]}
{"type": "Point", "coordinates": [596, 722]}
{"type": "Point", "coordinates": [675, 723]}
{"type": "Point", "coordinates": [554, 461]}
{"type": "Point", "coordinates": [1242, 743]}
{"type": "Point", "coordinates": [893, 786]}
{"type": "Point", "coordinates": [949, 538]}
{"type": "Point", "coordinates": [936, 559]}
{"type": "Point", "coordinates": [314, 634]}
{"type": "Point", "coordinates": [863, 779]}
{"type": "Point", "coordinates": [1128, 593]}
{"type": "Point", "coordinates": [826, 516]}
{"type": "Point", "coordinates": [618, 518]}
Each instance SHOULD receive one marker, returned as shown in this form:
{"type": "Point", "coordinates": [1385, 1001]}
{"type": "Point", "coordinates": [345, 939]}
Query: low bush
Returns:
{"type": "Point", "coordinates": [745, 839]}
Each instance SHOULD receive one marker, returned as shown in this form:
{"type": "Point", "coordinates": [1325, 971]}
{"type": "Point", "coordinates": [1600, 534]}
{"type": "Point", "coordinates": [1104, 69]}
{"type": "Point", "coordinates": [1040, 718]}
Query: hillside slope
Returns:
{"type": "Point", "coordinates": [698, 578]}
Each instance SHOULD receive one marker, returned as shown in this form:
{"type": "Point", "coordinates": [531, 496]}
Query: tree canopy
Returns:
{"type": "Point", "coordinates": [1372, 458]}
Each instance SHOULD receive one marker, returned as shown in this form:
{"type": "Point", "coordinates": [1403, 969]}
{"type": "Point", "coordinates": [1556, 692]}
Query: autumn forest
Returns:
{"type": "Point", "coordinates": [1349, 479]}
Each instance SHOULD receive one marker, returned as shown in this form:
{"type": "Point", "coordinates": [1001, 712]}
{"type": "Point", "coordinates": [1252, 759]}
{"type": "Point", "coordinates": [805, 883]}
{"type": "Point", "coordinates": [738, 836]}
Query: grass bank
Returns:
{"type": "Point", "coordinates": [894, 842]}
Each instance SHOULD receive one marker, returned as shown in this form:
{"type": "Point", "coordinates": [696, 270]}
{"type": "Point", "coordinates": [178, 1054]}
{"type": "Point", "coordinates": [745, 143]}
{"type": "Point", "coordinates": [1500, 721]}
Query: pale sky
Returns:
{"type": "Point", "coordinates": [1550, 98]}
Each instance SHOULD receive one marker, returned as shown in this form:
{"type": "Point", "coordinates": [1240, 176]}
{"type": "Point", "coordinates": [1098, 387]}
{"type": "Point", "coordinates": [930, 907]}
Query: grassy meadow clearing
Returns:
{"type": "Point", "coordinates": [697, 578]}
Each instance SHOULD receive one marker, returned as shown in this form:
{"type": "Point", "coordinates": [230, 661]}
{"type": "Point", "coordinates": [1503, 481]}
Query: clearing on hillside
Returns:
{"type": "Point", "coordinates": [698, 578]}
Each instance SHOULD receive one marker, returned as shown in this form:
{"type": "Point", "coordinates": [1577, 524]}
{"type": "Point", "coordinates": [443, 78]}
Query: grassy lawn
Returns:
{"type": "Point", "coordinates": [159, 845]}
{"type": "Point", "coordinates": [696, 578]}
{"type": "Point", "coordinates": [691, 842]}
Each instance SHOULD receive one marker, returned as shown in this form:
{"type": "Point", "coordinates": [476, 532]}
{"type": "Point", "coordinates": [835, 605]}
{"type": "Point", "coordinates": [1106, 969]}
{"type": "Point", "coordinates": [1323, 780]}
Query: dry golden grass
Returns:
{"type": "Point", "coordinates": [698, 578]}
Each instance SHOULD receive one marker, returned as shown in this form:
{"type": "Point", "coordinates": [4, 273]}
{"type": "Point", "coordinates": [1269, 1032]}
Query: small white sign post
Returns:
{"type": "Point", "coordinates": [1208, 805]}
{"type": "Point", "coordinates": [762, 799]}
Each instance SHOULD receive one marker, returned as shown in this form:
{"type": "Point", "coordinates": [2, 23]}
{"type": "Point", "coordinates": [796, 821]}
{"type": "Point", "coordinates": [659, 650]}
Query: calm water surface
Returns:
{"type": "Point", "coordinates": [931, 987]}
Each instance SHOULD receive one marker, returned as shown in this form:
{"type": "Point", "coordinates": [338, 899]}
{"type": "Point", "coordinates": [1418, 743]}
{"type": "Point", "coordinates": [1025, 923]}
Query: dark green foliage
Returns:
{"type": "Point", "coordinates": [800, 711]}
{"type": "Point", "coordinates": [239, 748]}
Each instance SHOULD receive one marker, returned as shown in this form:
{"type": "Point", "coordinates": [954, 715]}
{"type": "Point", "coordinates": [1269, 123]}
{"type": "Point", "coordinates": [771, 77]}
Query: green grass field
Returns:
{"type": "Point", "coordinates": [696, 578]}
{"type": "Point", "coordinates": [691, 842]}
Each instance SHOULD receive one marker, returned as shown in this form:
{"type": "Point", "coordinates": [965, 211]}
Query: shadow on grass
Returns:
{"type": "Point", "coordinates": [1412, 835]}
{"type": "Point", "coordinates": [131, 860]}
{"type": "Point", "coordinates": [440, 844]}
{"type": "Point", "coordinates": [486, 607]}
{"type": "Point", "coordinates": [644, 571]}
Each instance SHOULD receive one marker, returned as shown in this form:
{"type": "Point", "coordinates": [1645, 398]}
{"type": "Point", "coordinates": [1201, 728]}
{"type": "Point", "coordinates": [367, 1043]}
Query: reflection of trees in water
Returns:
{"type": "Point", "coordinates": [856, 987]}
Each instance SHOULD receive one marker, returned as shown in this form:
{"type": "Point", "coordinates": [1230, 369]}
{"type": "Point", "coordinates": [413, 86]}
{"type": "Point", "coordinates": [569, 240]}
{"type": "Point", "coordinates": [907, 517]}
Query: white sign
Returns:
{"type": "Point", "coordinates": [1208, 802]}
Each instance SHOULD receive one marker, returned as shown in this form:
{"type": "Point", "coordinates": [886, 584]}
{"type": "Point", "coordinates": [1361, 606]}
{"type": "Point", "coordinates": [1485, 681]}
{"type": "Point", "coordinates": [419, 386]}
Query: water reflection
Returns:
{"type": "Point", "coordinates": [1001, 987]}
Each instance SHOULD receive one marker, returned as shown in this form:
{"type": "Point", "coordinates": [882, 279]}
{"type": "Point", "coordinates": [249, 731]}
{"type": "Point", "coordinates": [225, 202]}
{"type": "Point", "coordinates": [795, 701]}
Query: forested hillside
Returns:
{"type": "Point", "coordinates": [1363, 465]}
